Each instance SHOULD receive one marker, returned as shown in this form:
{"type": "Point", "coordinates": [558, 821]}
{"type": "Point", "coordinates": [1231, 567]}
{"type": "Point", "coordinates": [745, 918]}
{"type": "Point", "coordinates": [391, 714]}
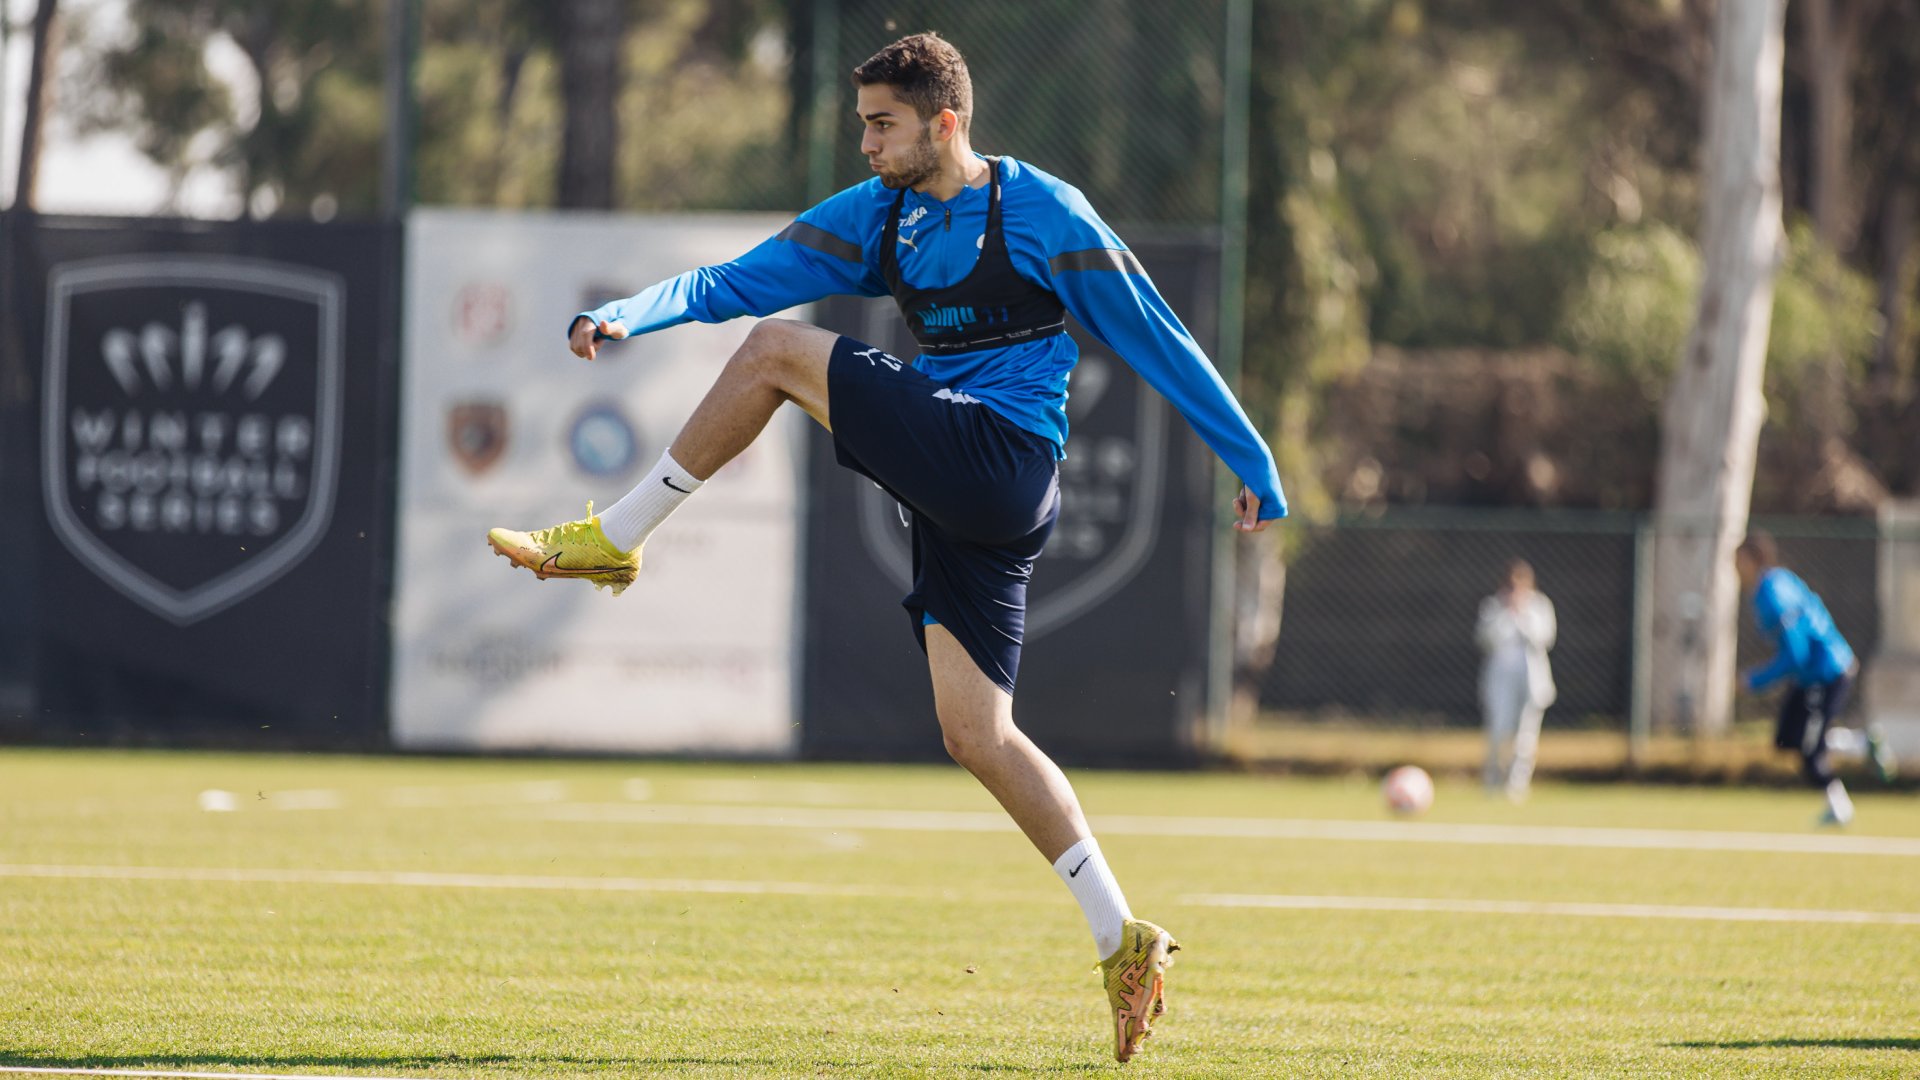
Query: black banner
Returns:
{"type": "Point", "coordinates": [1114, 668]}
{"type": "Point", "coordinates": [19, 505]}
{"type": "Point", "coordinates": [212, 438]}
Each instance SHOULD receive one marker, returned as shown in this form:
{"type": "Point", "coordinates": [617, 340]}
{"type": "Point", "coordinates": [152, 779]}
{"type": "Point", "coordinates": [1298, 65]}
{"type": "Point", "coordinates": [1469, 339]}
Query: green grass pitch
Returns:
{"type": "Point", "coordinates": [410, 917]}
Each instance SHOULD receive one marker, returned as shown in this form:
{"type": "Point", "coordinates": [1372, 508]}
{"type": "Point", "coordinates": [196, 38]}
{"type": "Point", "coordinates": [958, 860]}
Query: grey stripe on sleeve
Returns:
{"type": "Point", "coordinates": [821, 240]}
{"type": "Point", "coordinates": [1097, 259]}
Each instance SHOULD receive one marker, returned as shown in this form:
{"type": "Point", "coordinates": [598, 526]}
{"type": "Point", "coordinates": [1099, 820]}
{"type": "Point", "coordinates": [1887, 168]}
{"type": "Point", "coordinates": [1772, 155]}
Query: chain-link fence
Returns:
{"type": "Point", "coordinates": [1123, 99]}
{"type": "Point", "coordinates": [1380, 611]}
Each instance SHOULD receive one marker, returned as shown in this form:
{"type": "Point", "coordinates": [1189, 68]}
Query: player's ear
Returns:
{"type": "Point", "coordinates": [946, 124]}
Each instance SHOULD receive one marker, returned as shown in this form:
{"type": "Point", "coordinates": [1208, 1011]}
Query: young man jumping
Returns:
{"type": "Point", "coordinates": [985, 257]}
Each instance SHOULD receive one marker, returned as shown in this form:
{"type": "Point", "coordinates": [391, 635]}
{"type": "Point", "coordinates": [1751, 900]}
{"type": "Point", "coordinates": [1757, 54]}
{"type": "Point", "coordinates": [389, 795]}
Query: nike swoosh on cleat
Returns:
{"type": "Point", "coordinates": [552, 566]}
{"type": "Point", "coordinates": [675, 486]}
{"type": "Point", "coordinates": [1075, 872]}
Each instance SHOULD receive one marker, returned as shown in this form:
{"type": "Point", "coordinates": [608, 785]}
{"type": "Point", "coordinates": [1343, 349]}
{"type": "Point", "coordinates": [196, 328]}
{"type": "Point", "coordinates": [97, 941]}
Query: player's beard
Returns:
{"type": "Point", "coordinates": [921, 162]}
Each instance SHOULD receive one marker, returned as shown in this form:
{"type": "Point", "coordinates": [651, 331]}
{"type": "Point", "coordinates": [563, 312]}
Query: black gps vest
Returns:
{"type": "Point", "coordinates": [992, 307]}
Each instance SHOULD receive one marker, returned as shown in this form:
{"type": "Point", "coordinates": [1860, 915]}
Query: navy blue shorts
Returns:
{"type": "Point", "coordinates": [983, 492]}
{"type": "Point", "coordinates": [1805, 715]}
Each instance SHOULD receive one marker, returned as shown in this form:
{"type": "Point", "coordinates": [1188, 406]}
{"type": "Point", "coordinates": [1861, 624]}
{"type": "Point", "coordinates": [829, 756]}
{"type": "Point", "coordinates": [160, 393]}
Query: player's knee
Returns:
{"type": "Point", "coordinates": [769, 347]}
{"type": "Point", "coordinates": [758, 356]}
{"type": "Point", "coordinates": [957, 749]}
{"type": "Point", "coordinates": [961, 741]}
{"type": "Point", "coordinates": [968, 736]}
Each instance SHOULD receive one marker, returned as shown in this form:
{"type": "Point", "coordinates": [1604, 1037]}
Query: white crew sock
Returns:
{"type": "Point", "coordinates": [1847, 742]}
{"type": "Point", "coordinates": [1085, 871]}
{"type": "Point", "coordinates": [1838, 803]}
{"type": "Point", "coordinates": [630, 521]}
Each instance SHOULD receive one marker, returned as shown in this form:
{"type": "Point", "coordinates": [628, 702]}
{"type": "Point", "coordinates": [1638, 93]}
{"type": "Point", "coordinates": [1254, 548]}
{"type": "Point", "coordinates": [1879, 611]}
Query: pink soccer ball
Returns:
{"type": "Point", "coordinates": [1408, 790]}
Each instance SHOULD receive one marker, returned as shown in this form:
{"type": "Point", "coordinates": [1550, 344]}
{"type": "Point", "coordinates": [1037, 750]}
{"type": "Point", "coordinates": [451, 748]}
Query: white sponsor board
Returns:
{"type": "Point", "coordinates": [1892, 681]}
{"type": "Point", "coordinates": [501, 425]}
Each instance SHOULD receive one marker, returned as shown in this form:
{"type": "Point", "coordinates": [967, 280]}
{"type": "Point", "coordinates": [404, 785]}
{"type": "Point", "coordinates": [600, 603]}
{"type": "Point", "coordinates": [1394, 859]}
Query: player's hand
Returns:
{"type": "Point", "coordinates": [1247, 505]}
{"type": "Point", "coordinates": [582, 341]}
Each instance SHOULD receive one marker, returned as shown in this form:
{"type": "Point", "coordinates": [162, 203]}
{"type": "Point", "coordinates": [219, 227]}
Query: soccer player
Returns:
{"type": "Point", "coordinates": [1818, 664]}
{"type": "Point", "coordinates": [985, 257]}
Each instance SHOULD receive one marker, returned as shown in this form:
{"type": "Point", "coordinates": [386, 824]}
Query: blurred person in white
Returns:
{"type": "Point", "coordinates": [1515, 630]}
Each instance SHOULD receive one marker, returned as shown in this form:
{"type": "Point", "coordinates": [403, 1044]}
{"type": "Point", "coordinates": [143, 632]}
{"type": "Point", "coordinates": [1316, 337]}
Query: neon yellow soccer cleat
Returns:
{"type": "Point", "coordinates": [577, 549]}
{"type": "Point", "coordinates": [1136, 983]}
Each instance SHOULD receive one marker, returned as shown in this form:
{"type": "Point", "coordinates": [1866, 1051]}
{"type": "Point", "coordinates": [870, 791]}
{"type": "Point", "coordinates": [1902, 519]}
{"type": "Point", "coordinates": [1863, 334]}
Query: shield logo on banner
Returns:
{"type": "Point", "coordinates": [192, 422]}
{"type": "Point", "coordinates": [477, 434]}
{"type": "Point", "coordinates": [1112, 488]}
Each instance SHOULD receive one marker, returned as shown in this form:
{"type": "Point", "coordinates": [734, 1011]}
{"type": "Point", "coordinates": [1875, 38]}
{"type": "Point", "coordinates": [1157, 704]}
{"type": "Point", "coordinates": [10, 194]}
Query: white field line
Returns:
{"type": "Point", "coordinates": [812, 817]}
{"type": "Point", "coordinates": [412, 798]}
{"type": "Point", "coordinates": [635, 789]}
{"type": "Point", "coordinates": [799, 888]}
{"type": "Point", "coordinates": [804, 792]}
{"type": "Point", "coordinates": [413, 879]}
{"type": "Point", "coordinates": [39, 1071]}
{"type": "Point", "coordinates": [34, 1070]}
{"type": "Point", "coordinates": [306, 799]}
{"type": "Point", "coordinates": [1533, 907]}
{"type": "Point", "coordinates": [431, 880]}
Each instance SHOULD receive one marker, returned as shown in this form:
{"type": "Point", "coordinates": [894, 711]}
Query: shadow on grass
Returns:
{"type": "Point", "coordinates": [1082, 1067]}
{"type": "Point", "coordinates": [1839, 1044]}
{"type": "Point", "coordinates": [243, 1064]}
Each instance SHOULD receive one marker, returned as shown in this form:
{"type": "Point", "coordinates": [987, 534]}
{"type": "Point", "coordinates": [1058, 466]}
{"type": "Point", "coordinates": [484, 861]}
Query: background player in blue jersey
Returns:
{"type": "Point", "coordinates": [985, 257]}
{"type": "Point", "coordinates": [1815, 661]}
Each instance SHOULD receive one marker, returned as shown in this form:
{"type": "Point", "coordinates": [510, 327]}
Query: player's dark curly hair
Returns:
{"type": "Point", "coordinates": [1759, 547]}
{"type": "Point", "coordinates": [926, 72]}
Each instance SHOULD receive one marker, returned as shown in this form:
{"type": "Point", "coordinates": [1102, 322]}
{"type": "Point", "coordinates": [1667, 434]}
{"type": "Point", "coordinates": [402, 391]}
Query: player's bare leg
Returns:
{"type": "Point", "coordinates": [976, 720]}
{"type": "Point", "coordinates": [780, 361]}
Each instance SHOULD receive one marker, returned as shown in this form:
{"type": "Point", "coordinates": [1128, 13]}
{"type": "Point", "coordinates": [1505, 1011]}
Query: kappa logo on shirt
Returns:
{"type": "Point", "coordinates": [875, 358]}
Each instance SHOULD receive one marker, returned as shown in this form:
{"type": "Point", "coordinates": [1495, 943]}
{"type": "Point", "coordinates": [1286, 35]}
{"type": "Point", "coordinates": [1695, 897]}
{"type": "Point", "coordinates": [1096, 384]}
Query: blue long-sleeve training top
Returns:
{"type": "Point", "coordinates": [1810, 649]}
{"type": "Point", "coordinates": [1056, 241]}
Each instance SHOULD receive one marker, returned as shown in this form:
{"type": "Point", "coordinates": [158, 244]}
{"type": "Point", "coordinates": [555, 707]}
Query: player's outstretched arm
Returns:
{"type": "Point", "coordinates": [814, 257]}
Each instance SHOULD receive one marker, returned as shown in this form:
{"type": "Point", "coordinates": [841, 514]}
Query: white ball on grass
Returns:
{"type": "Point", "coordinates": [1408, 790]}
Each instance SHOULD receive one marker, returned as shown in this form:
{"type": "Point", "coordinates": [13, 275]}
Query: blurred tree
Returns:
{"type": "Point", "coordinates": [1829, 46]}
{"type": "Point", "coordinates": [707, 102]}
{"type": "Point", "coordinates": [588, 37]}
{"type": "Point", "coordinates": [1433, 175]}
{"type": "Point", "coordinates": [1121, 99]}
{"type": "Point", "coordinates": [1710, 422]}
{"type": "Point", "coordinates": [520, 103]}
{"type": "Point", "coordinates": [489, 119]}
{"type": "Point", "coordinates": [1886, 143]}
{"type": "Point", "coordinates": [34, 121]}
{"type": "Point", "coordinates": [1886, 148]}
{"type": "Point", "coordinates": [307, 127]}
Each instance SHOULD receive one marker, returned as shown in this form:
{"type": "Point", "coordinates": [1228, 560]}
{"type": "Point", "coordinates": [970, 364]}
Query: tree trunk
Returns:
{"type": "Point", "coordinates": [34, 122]}
{"type": "Point", "coordinates": [1710, 424]}
{"type": "Point", "coordinates": [1833, 35]}
{"type": "Point", "coordinates": [1896, 240]}
{"type": "Point", "coordinates": [590, 41]}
